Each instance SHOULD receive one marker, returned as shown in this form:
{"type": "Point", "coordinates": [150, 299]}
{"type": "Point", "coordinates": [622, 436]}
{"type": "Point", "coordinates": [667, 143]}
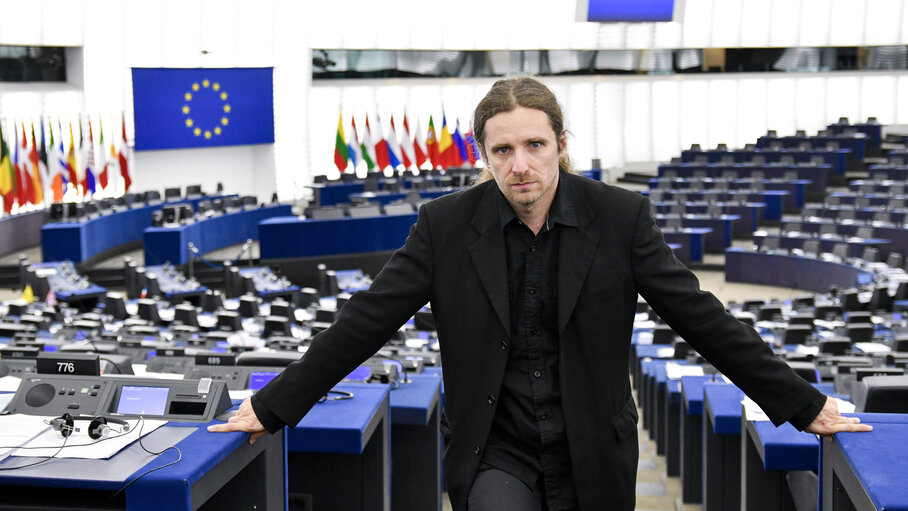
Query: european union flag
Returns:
{"type": "Point", "coordinates": [205, 107]}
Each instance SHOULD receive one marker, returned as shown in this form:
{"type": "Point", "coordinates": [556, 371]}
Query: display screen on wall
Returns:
{"type": "Point", "coordinates": [204, 107]}
{"type": "Point", "coordinates": [623, 10]}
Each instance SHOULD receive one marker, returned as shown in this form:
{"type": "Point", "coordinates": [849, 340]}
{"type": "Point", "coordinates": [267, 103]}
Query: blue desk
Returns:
{"type": "Point", "coordinates": [790, 271]}
{"type": "Point", "coordinates": [329, 194]}
{"type": "Point", "coordinates": [388, 197]}
{"type": "Point", "coordinates": [772, 198]}
{"type": "Point", "coordinates": [834, 157]}
{"type": "Point", "coordinates": [339, 454]}
{"type": "Point", "coordinates": [720, 226]}
{"type": "Point", "coordinates": [888, 171]}
{"type": "Point", "coordinates": [691, 449]}
{"type": "Point", "coordinates": [171, 244]}
{"type": "Point", "coordinates": [80, 241]}
{"type": "Point", "coordinates": [867, 470]}
{"type": "Point", "coordinates": [817, 175]}
{"type": "Point", "coordinates": [290, 237]}
{"type": "Point", "coordinates": [856, 246]}
{"type": "Point", "coordinates": [692, 241]}
{"type": "Point", "coordinates": [721, 447]}
{"type": "Point", "coordinates": [768, 453]}
{"type": "Point", "coordinates": [856, 143]}
{"type": "Point", "coordinates": [873, 131]}
{"type": "Point", "coordinates": [219, 469]}
{"type": "Point", "coordinates": [416, 444]}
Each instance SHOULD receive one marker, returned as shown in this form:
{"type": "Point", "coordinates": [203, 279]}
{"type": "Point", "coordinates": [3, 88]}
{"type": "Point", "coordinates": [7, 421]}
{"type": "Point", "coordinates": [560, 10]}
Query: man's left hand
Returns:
{"type": "Point", "coordinates": [829, 422]}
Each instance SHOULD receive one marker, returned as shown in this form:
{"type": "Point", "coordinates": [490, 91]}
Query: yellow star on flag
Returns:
{"type": "Point", "coordinates": [205, 83]}
{"type": "Point", "coordinates": [195, 86]}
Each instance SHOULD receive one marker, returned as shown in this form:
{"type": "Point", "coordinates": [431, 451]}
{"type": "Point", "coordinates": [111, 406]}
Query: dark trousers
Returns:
{"type": "Point", "coordinates": [496, 490]}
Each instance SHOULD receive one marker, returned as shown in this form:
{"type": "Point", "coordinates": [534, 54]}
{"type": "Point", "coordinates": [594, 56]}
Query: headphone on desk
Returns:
{"type": "Point", "coordinates": [98, 428]}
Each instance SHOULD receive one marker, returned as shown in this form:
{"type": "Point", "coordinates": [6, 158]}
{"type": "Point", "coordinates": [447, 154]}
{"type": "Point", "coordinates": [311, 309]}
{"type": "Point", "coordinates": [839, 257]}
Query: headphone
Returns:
{"type": "Point", "coordinates": [97, 429]}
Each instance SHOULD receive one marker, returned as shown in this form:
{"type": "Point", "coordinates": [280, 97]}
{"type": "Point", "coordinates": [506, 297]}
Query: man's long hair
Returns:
{"type": "Point", "coordinates": [505, 96]}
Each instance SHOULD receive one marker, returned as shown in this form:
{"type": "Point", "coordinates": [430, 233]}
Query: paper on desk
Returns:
{"type": "Point", "coordinates": [675, 371]}
{"type": "Point", "coordinates": [5, 398]}
{"type": "Point", "coordinates": [645, 338]}
{"type": "Point", "coordinates": [9, 383]}
{"type": "Point", "coordinates": [79, 445]}
{"type": "Point", "coordinates": [872, 347]}
{"type": "Point", "coordinates": [753, 412]}
{"type": "Point", "coordinates": [207, 321]}
{"type": "Point", "coordinates": [807, 350]}
{"type": "Point", "coordinates": [667, 352]}
{"type": "Point", "coordinates": [18, 429]}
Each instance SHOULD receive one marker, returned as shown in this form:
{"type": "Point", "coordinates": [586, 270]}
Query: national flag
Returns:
{"type": "Point", "coordinates": [354, 150]}
{"type": "Point", "coordinates": [57, 164]}
{"type": "Point", "coordinates": [368, 148]}
{"type": "Point", "coordinates": [35, 158]}
{"type": "Point", "coordinates": [419, 145]}
{"type": "Point", "coordinates": [459, 143]}
{"type": "Point", "coordinates": [472, 149]}
{"type": "Point", "coordinates": [432, 144]}
{"type": "Point", "coordinates": [18, 163]}
{"type": "Point", "coordinates": [394, 153]}
{"type": "Point", "coordinates": [102, 161]}
{"type": "Point", "coordinates": [340, 145]}
{"type": "Point", "coordinates": [447, 151]}
{"type": "Point", "coordinates": [88, 159]}
{"type": "Point", "coordinates": [71, 159]}
{"type": "Point", "coordinates": [42, 155]}
{"type": "Point", "coordinates": [7, 175]}
{"type": "Point", "coordinates": [26, 183]}
{"type": "Point", "coordinates": [406, 146]}
{"type": "Point", "coordinates": [202, 107]}
{"type": "Point", "coordinates": [382, 159]}
{"type": "Point", "coordinates": [123, 158]}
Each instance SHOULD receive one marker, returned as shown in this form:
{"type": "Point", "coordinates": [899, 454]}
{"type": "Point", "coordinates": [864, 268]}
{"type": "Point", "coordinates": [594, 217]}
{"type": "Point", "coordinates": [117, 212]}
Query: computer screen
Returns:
{"type": "Point", "coordinates": [619, 10]}
{"type": "Point", "coordinates": [135, 400]}
{"type": "Point", "coordinates": [258, 379]}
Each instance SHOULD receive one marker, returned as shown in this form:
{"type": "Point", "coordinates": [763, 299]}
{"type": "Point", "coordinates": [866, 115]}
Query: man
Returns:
{"type": "Point", "coordinates": [533, 276]}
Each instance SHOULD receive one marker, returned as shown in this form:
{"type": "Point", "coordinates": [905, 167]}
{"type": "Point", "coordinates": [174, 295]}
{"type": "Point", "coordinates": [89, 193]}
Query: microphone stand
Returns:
{"type": "Point", "coordinates": [192, 250]}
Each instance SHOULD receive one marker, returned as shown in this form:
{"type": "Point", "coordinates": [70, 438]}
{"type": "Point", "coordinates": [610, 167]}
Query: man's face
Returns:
{"type": "Point", "coordinates": [522, 152]}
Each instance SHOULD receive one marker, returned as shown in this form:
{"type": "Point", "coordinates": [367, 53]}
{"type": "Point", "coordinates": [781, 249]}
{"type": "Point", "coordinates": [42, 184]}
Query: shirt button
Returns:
{"type": "Point", "coordinates": [476, 450]}
{"type": "Point", "coordinates": [532, 290]}
{"type": "Point", "coordinates": [537, 374]}
{"type": "Point", "coordinates": [543, 416]}
{"type": "Point", "coordinates": [504, 345]}
{"type": "Point", "coordinates": [532, 248]}
{"type": "Point", "coordinates": [533, 331]}
{"type": "Point", "coordinates": [491, 399]}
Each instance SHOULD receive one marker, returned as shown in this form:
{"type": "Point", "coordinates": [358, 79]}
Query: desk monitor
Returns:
{"type": "Point", "coordinates": [140, 400]}
{"type": "Point", "coordinates": [881, 394]}
{"type": "Point", "coordinates": [57, 211]}
{"type": "Point", "coordinates": [172, 193]}
{"type": "Point", "coordinates": [152, 196]}
{"type": "Point", "coordinates": [193, 190]}
{"type": "Point", "coordinates": [258, 379]}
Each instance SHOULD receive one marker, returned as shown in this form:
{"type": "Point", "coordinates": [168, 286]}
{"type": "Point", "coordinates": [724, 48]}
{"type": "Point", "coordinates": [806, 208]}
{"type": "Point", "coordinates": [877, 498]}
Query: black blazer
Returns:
{"type": "Point", "coordinates": [455, 258]}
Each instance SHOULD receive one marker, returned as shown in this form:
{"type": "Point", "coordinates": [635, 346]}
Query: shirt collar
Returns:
{"type": "Point", "coordinates": [561, 211]}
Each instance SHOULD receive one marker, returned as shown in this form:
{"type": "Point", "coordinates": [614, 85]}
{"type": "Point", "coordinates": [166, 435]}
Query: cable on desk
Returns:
{"type": "Point", "coordinates": [174, 462]}
{"type": "Point", "coordinates": [341, 395]}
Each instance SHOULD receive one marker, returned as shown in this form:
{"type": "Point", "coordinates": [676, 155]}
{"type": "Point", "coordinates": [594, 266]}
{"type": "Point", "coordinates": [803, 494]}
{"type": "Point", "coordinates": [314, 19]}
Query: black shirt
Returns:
{"type": "Point", "coordinates": [528, 438]}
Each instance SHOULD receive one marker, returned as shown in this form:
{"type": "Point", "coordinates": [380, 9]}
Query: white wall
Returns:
{"type": "Point", "coordinates": [620, 120]}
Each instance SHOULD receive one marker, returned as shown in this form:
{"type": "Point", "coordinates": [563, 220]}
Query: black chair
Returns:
{"type": "Point", "coordinates": [859, 332]}
{"type": "Point", "coordinates": [796, 334]}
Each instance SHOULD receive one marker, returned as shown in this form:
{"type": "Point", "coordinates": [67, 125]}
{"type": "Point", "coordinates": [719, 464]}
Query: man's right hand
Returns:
{"type": "Point", "coordinates": [244, 420]}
